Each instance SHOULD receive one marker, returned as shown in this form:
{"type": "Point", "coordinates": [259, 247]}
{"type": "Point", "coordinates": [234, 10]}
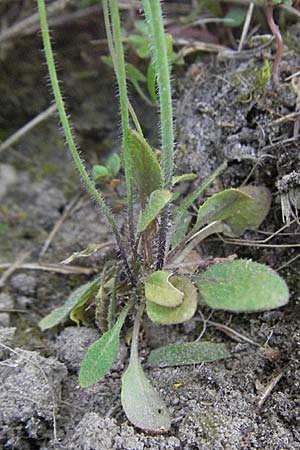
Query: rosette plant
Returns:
{"type": "Point", "coordinates": [159, 241]}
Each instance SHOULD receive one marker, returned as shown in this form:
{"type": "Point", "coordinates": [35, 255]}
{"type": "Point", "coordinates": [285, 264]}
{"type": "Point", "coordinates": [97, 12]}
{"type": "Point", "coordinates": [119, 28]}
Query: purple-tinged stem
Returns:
{"type": "Point", "coordinates": [276, 33]}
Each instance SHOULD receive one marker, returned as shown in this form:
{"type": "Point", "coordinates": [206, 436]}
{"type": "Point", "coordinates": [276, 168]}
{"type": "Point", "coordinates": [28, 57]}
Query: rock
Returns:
{"type": "Point", "coordinates": [93, 432]}
{"type": "Point", "coordinates": [6, 301]}
{"type": "Point", "coordinates": [72, 344]}
{"type": "Point", "coordinates": [24, 284]}
{"type": "Point", "coordinates": [6, 338]}
{"type": "Point", "coordinates": [8, 176]}
{"type": "Point", "coordinates": [29, 394]}
{"type": "Point", "coordinates": [4, 319]}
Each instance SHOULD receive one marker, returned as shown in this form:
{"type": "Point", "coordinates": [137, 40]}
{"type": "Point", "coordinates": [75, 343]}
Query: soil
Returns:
{"type": "Point", "coordinates": [221, 113]}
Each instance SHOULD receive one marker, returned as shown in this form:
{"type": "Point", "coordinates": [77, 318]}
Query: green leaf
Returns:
{"type": "Point", "coordinates": [82, 294]}
{"type": "Point", "coordinates": [252, 213]}
{"type": "Point", "coordinates": [182, 223]}
{"type": "Point", "coordinates": [141, 402]}
{"type": "Point", "coordinates": [142, 27]}
{"type": "Point", "coordinates": [101, 355]}
{"type": "Point", "coordinates": [184, 177]}
{"type": "Point", "coordinates": [99, 172]}
{"type": "Point", "coordinates": [133, 74]}
{"type": "Point", "coordinates": [275, 2]}
{"type": "Point", "coordinates": [146, 169]}
{"type": "Point", "coordinates": [181, 313]}
{"type": "Point", "coordinates": [186, 354]}
{"type": "Point", "coordinates": [235, 17]}
{"type": "Point", "coordinates": [242, 285]}
{"type": "Point", "coordinates": [140, 45]}
{"type": "Point", "coordinates": [158, 200]}
{"type": "Point", "coordinates": [159, 290]}
{"type": "Point", "coordinates": [113, 165]}
{"type": "Point", "coordinates": [222, 205]}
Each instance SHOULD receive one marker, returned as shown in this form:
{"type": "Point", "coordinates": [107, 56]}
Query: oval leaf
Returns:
{"type": "Point", "coordinates": [80, 296]}
{"type": "Point", "coordinates": [181, 313]}
{"type": "Point", "coordinates": [101, 354]}
{"type": "Point", "coordinates": [189, 353]}
{"type": "Point", "coordinates": [252, 213]}
{"type": "Point", "coordinates": [242, 286]}
{"type": "Point", "coordinates": [146, 169]}
{"type": "Point", "coordinates": [158, 200]}
{"type": "Point", "coordinates": [141, 402]}
{"type": "Point", "coordinates": [99, 172]}
{"type": "Point", "coordinates": [221, 206]}
{"type": "Point", "coordinates": [159, 290]}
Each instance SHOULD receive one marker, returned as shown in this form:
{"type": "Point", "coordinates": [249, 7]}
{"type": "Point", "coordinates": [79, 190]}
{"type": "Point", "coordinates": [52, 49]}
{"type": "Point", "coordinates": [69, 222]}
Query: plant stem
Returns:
{"type": "Point", "coordinates": [154, 19]}
{"type": "Point", "coordinates": [214, 227]}
{"type": "Point", "coordinates": [112, 304]}
{"type": "Point", "coordinates": [119, 66]}
{"type": "Point", "coordinates": [279, 41]}
{"type": "Point", "coordinates": [113, 57]}
{"type": "Point", "coordinates": [136, 330]}
{"type": "Point", "coordinates": [69, 138]}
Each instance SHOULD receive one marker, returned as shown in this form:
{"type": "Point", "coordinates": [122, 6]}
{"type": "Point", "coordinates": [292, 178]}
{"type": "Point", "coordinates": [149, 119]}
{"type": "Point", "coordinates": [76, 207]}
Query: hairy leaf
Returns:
{"type": "Point", "coordinates": [159, 290]}
{"type": "Point", "coordinates": [141, 402]}
{"type": "Point", "coordinates": [251, 214]}
{"type": "Point", "coordinates": [242, 285]}
{"type": "Point", "coordinates": [101, 355]}
{"type": "Point", "coordinates": [222, 205]}
{"type": "Point", "coordinates": [158, 200]}
{"type": "Point", "coordinates": [179, 314]}
{"type": "Point", "coordinates": [189, 353]}
{"type": "Point", "coordinates": [184, 177]}
{"type": "Point", "coordinates": [146, 169]}
{"type": "Point", "coordinates": [81, 295]}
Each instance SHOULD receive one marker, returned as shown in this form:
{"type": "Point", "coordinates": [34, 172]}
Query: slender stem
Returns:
{"type": "Point", "coordinates": [69, 138]}
{"type": "Point", "coordinates": [154, 19]}
{"type": "Point", "coordinates": [136, 331]}
{"type": "Point", "coordinates": [142, 94]}
{"type": "Point", "coordinates": [279, 41]}
{"type": "Point", "coordinates": [121, 78]}
{"type": "Point", "coordinates": [246, 26]}
{"type": "Point", "coordinates": [113, 57]}
{"type": "Point", "coordinates": [135, 119]}
{"type": "Point", "coordinates": [112, 304]}
{"type": "Point", "coordinates": [214, 227]}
